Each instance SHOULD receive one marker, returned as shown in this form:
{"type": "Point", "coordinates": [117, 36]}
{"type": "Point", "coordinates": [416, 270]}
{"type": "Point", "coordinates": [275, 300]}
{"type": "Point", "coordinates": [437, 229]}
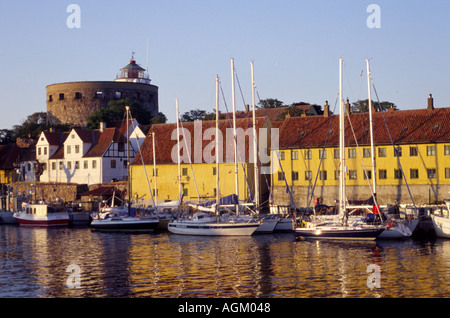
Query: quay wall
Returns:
{"type": "Point", "coordinates": [386, 194]}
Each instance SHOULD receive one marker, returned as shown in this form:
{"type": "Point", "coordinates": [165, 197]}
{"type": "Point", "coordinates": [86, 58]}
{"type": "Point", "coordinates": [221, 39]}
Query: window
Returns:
{"type": "Point", "coordinates": [431, 150]}
{"type": "Point", "coordinates": [323, 175]}
{"type": "Point", "coordinates": [294, 175]}
{"type": "Point", "coordinates": [431, 173]}
{"type": "Point", "coordinates": [39, 151]}
{"type": "Point", "coordinates": [50, 98]}
{"type": "Point", "coordinates": [447, 173]}
{"type": "Point", "coordinates": [381, 152]}
{"type": "Point", "coordinates": [155, 172]}
{"type": "Point", "coordinates": [61, 165]}
{"type": "Point", "coordinates": [308, 154]}
{"type": "Point", "coordinates": [414, 173]}
{"type": "Point", "coordinates": [308, 175]}
{"type": "Point", "coordinates": [382, 174]}
{"type": "Point", "coordinates": [398, 151]}
{"type": "Point", "coordinates": [322, 154]}
{"type": "Point", "coordinates": [367, 153]}
{"type": "Point", "coordinates": [68, 149]}
{"type": "Point", "coordinates": [413, 151]}
{"type": "Point", "coordinates": [185, 192]}
{"type": "Point", "coordinates": [85, 164]}
{"type": "Point", "coordinates": [78, 95]}
{"type": "Point", "coordinates": [447, 150]}
{"type": "Point", "coordinates": [294, 155]}
{"type": "Point", "coordinates": [77, 148]}
{"type": "Point", "coordinates": [53, 165]}
{"type": "Point", "coordinates": [368, 175]}
{"type": "Point", "coordinates": [336, 154]}
{"type": "Point", "coordinates": [155, 194]}
{"type": "Point", "coordinates": [352, 174]}
{"type": "Point", "coordinates": [69, 165]}
{"type": "Point", "coordinates": [280, 176]}
{"type": "Point", "coordinates": [214, 171]}
{"type": "Point", "coordinates": [77, 165]}
{"type": "Point", "coordinates": [184, 171]}
{"type": "Point", "coordinates": [352, 153]}
{"type": "Point", "coordinates": [397, 174]}
{"type": "Point", "coordinates": [336, 174]}
{"type": "Point", "coordinates": [113, 164]}
{"type": "Point", "coordinates": [94, 164]}
{"type": "Point", "coordinates": [61, 96]}
{"type": "Point", "coordinates": [45, 150]}
{"type": "Point", "coordinates": [281, 155]}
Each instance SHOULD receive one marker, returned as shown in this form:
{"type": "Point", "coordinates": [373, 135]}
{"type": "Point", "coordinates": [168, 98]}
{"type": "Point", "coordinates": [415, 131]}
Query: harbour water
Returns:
{"type": "Point", "coordinates": [41, 262]}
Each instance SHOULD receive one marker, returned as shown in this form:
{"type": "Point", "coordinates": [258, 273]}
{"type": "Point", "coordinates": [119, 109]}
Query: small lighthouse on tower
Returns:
{"type": "Point", "coordinates": [133, 73]}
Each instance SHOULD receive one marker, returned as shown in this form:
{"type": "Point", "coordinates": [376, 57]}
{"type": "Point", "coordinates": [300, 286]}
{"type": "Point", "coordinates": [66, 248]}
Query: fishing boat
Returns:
{"type": "Point", "coordinates": [441, 222]}
{"type": "Point", "coordinates": [42, 214]}
{"type": "Point", "coordinates": [339, 227]}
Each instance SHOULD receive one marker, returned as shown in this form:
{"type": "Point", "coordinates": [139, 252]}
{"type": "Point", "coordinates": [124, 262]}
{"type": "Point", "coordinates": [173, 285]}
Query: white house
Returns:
{"type": "Point", "coordinates": [84, 156]}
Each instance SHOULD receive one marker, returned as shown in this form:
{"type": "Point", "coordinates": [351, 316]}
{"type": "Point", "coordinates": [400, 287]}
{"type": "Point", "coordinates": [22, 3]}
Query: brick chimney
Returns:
{"type": "Point", "coordinates": [326, 109]}
{"type": "Point", "coordinates": [430, 103]}
{"type": "Point", "coordinates": [347, 107]}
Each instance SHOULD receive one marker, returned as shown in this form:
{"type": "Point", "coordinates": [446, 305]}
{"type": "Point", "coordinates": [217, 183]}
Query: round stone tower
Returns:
{"type": "Point", "coordinates": [73, 102]}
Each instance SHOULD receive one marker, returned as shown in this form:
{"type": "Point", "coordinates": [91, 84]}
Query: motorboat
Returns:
{"type": "Point", "coordinates": [42, 214]}
{"type": "Point", "coordinates": [117, 223]}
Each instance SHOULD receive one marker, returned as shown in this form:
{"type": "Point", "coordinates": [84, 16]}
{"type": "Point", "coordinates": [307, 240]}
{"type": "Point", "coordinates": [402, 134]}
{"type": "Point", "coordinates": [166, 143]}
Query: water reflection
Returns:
{"type": "Point", "coordinates": [35, 260]}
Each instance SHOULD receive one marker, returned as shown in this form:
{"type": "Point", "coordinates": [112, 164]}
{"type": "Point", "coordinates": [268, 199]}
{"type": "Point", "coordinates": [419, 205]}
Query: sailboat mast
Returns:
{"type": "Point", "coordinates": [255, 148]}
{"type": "Point", "coordinates": [155, 174]}
{"type": "Point", "coordinates": [128, 161]}
{"type": "Point", "coordinates": [217, 146]}
{"type": "Point", "coordinates": [342, 195]}
{"type": "Point", "coordinates": [178, 146]}
{"type": "Point", "coordinates": [233, 97]}
{"type": "Point", "coordinates": [371, 129]}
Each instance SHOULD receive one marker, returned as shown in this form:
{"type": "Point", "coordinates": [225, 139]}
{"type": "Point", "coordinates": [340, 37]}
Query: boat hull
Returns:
{"type": "Point", "coordinates": [332, 233]}
{"type": "Point", "coordinates": [213, 229]}
{"type": "Point", "coordinates": [127, 223]}
{"type": "Point", "coordinates": [51, 220]}
{"type": "Point", "coordinates": [441, 226]}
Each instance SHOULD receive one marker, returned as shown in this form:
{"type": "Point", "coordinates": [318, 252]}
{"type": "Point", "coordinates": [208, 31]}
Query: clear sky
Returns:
{"type": "Point", "coordinates": [295, 46]}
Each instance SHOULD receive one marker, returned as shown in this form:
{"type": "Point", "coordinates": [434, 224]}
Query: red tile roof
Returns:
{"type": "Point", "coordinates": [164, 143]}
{"type": "Point", "coordinates": [108, 136]}
{"type": "Point", "coordinates": [405, 127]}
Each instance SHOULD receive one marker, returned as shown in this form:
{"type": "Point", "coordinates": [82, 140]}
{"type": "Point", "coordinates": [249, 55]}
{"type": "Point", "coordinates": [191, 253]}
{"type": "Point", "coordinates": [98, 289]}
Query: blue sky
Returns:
{"type": "Point", "coordinates": [294, 44]}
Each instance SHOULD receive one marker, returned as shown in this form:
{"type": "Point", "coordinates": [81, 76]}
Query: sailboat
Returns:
{"type": "Point", "coordinates": [211, 223]}
{"type": "Point", "coordinates": [114, 218]}
{"type": "Point", "coordinates": [339, 227]}
{"type": "Point", "coordinates": [441, 222]}
{"type": "Point", "coordinates": [395, 229]}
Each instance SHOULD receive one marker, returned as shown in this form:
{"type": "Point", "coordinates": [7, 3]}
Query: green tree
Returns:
{"type": "Point", "coordinates": [34, 125]}
{"type": "Point", "coordinates": [362, 106]}
{"type": "Point", "coordinates": [192, 115]}
{"type": "Point", "coordinates": [116, 111]}
{"type": "Point", "coordinates": [6, 136]}
{"type": "Point", "coordinates": [270, 103]}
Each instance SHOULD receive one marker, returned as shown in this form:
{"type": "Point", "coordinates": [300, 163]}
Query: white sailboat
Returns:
{"type": "Point", "coordinates": [441, 222]}
{"type": "Point", "coordinates": [394, 229]}
{"type": "Point", "coordinates": [339, 228]}
{"type": "Point", "coordinates": [209, 223]}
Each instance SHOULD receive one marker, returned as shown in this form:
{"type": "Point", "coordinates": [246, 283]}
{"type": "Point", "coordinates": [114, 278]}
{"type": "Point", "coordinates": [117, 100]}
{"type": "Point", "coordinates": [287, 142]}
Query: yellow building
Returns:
{"type": "Point", "coordinates": [197, 170]}
{"type": "Point", "coordinates": [309, 157]}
